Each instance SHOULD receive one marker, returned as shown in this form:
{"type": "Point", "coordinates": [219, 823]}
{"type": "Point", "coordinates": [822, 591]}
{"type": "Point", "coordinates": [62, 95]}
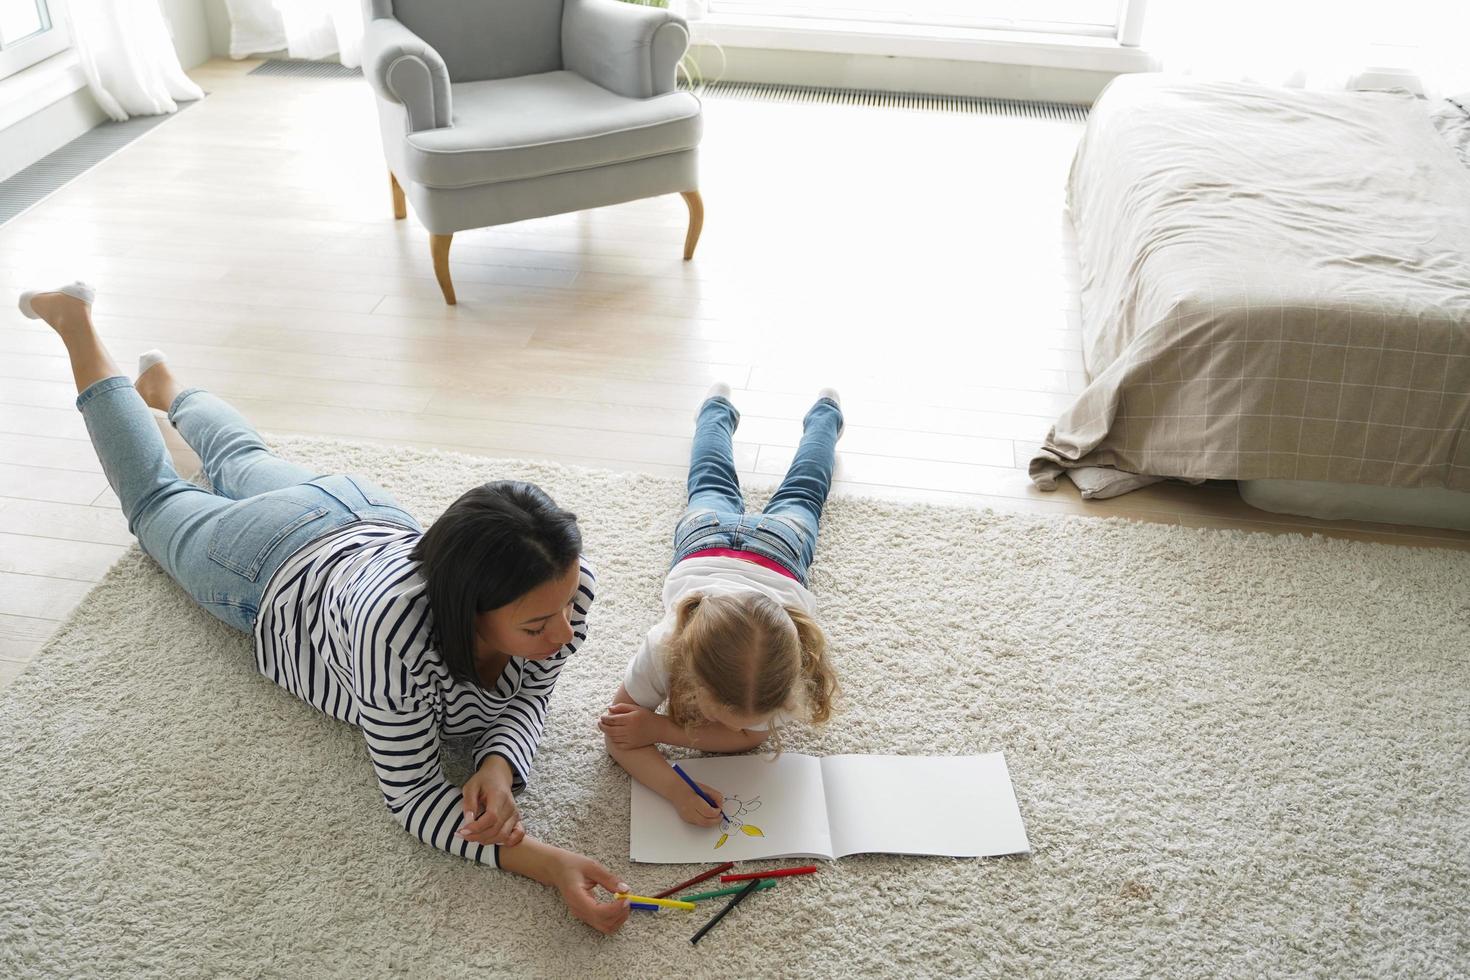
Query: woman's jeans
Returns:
{"type": "Point", "coordinates": [786, 531]}
{"type": "Point", "coordinates": [221, 546]}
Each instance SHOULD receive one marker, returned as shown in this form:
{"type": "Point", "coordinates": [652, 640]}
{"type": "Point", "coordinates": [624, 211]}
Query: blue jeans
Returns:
{"type": "Point", "coordinates": [221, 546]}
{"type": "Point", "coordinates": [786, 531]}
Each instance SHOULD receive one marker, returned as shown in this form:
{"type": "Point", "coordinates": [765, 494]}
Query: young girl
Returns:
{"type": "Point", "coordinates": [354, 608]}
{"type": "Point", "coordinates": [737, 653]}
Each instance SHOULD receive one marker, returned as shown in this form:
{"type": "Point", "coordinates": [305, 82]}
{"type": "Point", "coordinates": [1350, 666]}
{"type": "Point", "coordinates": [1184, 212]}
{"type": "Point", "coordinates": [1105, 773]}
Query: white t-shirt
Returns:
{"type": "Point", "coordinates": [647, 676]}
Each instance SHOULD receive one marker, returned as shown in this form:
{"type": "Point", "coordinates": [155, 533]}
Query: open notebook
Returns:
{"type": "Point", "coordinates": [810, 807]}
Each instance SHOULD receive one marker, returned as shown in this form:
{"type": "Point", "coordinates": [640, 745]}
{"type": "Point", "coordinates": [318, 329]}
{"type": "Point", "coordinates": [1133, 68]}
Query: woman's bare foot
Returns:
{"type": "Point", "coordinates": [68, 311]}
{"type": "Point", "coordinates": [156, 382]}
{"type": "Point", "coordinates": [63, 312]}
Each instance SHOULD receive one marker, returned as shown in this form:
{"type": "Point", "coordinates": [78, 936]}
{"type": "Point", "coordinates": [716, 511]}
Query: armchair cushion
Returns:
{"type": "Point", "coordinates": [625, 48]}
{"type": "Point", "coordinates": [482, 39]}
{"type": "Point", "coordinates": [554, 122]}
{"type": "Point", "coordinates": [402, 68]}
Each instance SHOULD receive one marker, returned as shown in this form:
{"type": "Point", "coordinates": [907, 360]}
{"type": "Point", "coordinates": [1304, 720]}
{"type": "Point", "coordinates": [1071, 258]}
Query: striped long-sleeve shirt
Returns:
{"type": "Point", "coordinates": [345, 626]}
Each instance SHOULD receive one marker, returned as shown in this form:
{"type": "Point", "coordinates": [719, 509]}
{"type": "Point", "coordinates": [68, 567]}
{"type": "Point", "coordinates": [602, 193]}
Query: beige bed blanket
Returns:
{"type": "Point", "coordinates": [1275, 285]}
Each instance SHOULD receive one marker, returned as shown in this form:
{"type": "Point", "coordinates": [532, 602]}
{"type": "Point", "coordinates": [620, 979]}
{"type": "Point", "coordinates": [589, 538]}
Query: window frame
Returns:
{"type": "Point", "coordinates": [35, 48]}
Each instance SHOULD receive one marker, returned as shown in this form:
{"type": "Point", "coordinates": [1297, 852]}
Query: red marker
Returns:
{"type": "Point", "coordinates": [778, 873]}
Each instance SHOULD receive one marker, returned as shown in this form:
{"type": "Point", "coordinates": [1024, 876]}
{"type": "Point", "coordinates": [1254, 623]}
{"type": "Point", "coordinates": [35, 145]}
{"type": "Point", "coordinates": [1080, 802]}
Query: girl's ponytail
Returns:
{"type": "Point", "coordinates": [682, 687]}
{"type": "Point", "coordinates": [816, 669]}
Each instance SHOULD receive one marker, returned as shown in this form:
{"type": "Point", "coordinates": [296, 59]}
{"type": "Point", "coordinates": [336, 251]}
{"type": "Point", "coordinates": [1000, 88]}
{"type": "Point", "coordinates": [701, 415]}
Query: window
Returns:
{"type": "Point", "coordinates": [30, 31]}
{"type": "Point", "coordinates": [1089, 17]}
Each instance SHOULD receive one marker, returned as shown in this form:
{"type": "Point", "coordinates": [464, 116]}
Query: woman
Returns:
{"type": "Point", "coordinates": [460, 630]}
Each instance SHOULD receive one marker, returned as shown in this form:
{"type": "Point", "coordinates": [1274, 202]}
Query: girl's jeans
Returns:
{"type": "Point", "coordinates": [786, 531]}
{"type": "Point", "coordinates": [221, 546]}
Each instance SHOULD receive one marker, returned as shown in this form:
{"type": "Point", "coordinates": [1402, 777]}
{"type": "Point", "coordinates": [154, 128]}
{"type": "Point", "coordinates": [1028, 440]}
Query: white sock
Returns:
{"type": "Point", "coordinates": [831, 393]}
{"type": "Point", "coordinates": [78, 289]}
{"type": "Point", "coordinates": [717, 390]}
{"type": "Point", "coordinates": [149, 358]}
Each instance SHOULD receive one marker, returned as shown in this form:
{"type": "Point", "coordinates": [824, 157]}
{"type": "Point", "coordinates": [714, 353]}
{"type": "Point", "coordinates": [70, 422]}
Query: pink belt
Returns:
{"type": "Point", "coordinates": [750, 556]}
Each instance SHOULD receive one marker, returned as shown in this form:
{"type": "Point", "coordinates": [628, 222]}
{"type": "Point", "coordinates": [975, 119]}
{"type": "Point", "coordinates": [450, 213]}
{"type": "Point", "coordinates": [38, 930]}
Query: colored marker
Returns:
{"type": "Point", "coordinates": [702, 795]}
{"type": "Point", "coordinates": [667, 903]}
{"type": "Point", "coordinates": [696, 880]}
{"type": "Point", "coordinates": [702, 896]}
{"type": "Point", "coordinates": [642, 907]}
{"type": "Point", "coordinates": [694, 940]}
{"type": "Point", "coordinates": [809, 869]}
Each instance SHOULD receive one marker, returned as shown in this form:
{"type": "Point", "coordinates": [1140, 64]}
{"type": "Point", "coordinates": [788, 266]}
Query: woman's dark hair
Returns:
{"type": "Point", "coordinates": [492, 546]}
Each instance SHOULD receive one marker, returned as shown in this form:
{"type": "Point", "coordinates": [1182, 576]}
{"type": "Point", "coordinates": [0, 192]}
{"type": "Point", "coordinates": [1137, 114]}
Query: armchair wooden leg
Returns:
{"type": "Point", "coordinates": [439, 247]}
{"type": "Point", "coordinates": [400, 206]}
{"type": "Point", "coordinates": [696, 222]}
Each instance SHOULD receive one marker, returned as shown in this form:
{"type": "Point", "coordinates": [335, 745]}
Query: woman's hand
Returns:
{"type": "Point", "coordinates": [490, 810]}
{"type": "Point", "coordinates": [577, 878]}
{"type": "Point", "coordinates": [694, 810]}
{"type": "Point", "coordinates": [630, 726]}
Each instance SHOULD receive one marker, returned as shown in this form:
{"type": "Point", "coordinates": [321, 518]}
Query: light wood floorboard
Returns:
{"type": "Point", "coordinates": [919, 261]}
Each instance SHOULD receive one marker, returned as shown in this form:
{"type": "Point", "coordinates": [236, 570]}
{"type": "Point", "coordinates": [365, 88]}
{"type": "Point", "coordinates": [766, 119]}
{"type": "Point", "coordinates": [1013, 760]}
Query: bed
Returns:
{"type": "Point", "coordinates": [1275, 290]}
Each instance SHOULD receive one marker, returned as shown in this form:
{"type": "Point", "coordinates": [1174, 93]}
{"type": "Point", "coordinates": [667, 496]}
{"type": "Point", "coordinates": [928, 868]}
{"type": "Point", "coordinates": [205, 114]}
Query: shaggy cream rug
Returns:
{"type": "Point", "coordinates": [1236, 755]}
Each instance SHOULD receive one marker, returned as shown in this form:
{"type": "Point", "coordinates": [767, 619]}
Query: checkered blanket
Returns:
{"type": "Point", "coordinates": [1276, 285]}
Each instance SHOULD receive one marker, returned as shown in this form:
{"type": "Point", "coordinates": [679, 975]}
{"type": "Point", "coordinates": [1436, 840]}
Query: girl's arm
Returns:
{"type": "Point", "coordinates": [628, 725]}
{"type": "Point", "coordinates": [647, 764]}
{"type": "Point", "coordinates": [712, 737]}
{"type": "Point", "coordinates": [649, 767]}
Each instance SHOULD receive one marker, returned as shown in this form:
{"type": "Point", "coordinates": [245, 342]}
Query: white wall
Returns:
{"type": "Point", "coordinates": [190, 28]}
{"type": "Point", "coordinates": [901, 74]}
{"type": "Point", "coordinates": [47, 131]}
{"type": "Point", "coordinates": [218, 18]}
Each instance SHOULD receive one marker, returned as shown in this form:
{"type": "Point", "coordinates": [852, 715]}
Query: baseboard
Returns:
{"type": "Point", "coordinates": [47, 130]}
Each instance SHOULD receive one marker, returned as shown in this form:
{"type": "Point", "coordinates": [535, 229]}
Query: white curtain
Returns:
{"type": "Point", "coordinates": [128, 57]}
{"type": "Point", "coordinates": [1323, 44]}
{"type": "Point", "coordinates": [310, 29]}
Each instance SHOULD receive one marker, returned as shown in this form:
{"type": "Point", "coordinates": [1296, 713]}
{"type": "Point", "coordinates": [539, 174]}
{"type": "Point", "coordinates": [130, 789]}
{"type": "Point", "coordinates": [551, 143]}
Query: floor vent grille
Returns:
{"type": "Point", "coordinates": [305, 69]}
{"type": "Point", "coordinates": [918, 101]}
{"type": "Point", "coordinates": [54, 171]}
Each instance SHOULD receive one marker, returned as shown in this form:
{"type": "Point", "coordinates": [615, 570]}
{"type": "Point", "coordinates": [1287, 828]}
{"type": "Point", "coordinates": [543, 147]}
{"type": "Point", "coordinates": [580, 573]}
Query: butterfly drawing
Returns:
{"type": "Point", "coordinates": [733, 821]}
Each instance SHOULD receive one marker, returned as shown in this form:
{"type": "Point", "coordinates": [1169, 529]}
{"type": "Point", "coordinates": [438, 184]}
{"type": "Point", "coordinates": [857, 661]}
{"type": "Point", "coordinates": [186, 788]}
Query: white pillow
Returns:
{"type": "Point", "coordinates": [1102, 482]}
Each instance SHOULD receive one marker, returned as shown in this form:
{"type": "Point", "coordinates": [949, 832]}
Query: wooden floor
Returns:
{"type": "Point", "coordinates": [919, 261]}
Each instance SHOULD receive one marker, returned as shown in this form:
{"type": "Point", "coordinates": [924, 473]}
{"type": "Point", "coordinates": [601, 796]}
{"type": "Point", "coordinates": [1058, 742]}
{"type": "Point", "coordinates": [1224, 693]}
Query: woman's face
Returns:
{"type": "Point", "coordinates": [536, 625]}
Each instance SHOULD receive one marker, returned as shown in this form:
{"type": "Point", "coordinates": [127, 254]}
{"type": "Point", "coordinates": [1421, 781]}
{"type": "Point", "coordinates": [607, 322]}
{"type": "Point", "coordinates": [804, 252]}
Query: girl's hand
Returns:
{"type": "Point", "coordinates": [490, 810]}
{"type": "Point", "coordinates": [577, 878]}
{"type": "Point", "coordinates": [694, 810]}
{"type": "Point", "coordinates": [630, 726]}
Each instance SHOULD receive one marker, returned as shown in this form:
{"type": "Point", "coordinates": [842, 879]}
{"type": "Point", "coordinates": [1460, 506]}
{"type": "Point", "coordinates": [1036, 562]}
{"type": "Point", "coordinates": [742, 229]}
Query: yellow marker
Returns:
{"type": "Point", "coordinates": [667, 903]}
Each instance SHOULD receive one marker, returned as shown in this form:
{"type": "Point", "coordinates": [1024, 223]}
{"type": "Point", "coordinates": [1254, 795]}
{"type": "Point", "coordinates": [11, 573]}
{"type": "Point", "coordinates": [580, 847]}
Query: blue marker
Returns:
{"type": "Point", "coordinates": [699, 792]}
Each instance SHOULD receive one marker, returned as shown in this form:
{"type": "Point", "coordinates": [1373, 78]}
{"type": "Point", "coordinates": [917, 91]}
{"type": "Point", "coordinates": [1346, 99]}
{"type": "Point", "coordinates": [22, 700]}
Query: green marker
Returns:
{"type": "Point", "coordinates": [768, 883]}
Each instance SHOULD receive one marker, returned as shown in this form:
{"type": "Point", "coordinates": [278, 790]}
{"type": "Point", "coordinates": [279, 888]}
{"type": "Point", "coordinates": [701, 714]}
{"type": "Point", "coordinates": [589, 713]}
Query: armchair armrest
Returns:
{"type": "Point", "coordinates": [403, 68]}
{"type": "Point", "coordinates": [628, 49]}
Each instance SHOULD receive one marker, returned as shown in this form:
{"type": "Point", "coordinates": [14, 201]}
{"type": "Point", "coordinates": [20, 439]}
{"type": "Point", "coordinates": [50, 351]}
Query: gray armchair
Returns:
{"type": "Point", "coordinates": [495, 111]}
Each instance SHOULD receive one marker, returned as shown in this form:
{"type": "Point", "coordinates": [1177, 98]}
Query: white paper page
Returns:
{"type": "Point", "coordinates": [776, 809]}
{"type": "Point", "coordinates": [959, 806]}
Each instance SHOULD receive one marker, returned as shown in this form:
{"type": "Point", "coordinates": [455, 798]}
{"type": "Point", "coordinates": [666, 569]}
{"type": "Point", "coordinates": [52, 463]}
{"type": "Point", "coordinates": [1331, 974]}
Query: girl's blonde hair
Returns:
{"type": "Point", "coordinates": [750, 654]}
